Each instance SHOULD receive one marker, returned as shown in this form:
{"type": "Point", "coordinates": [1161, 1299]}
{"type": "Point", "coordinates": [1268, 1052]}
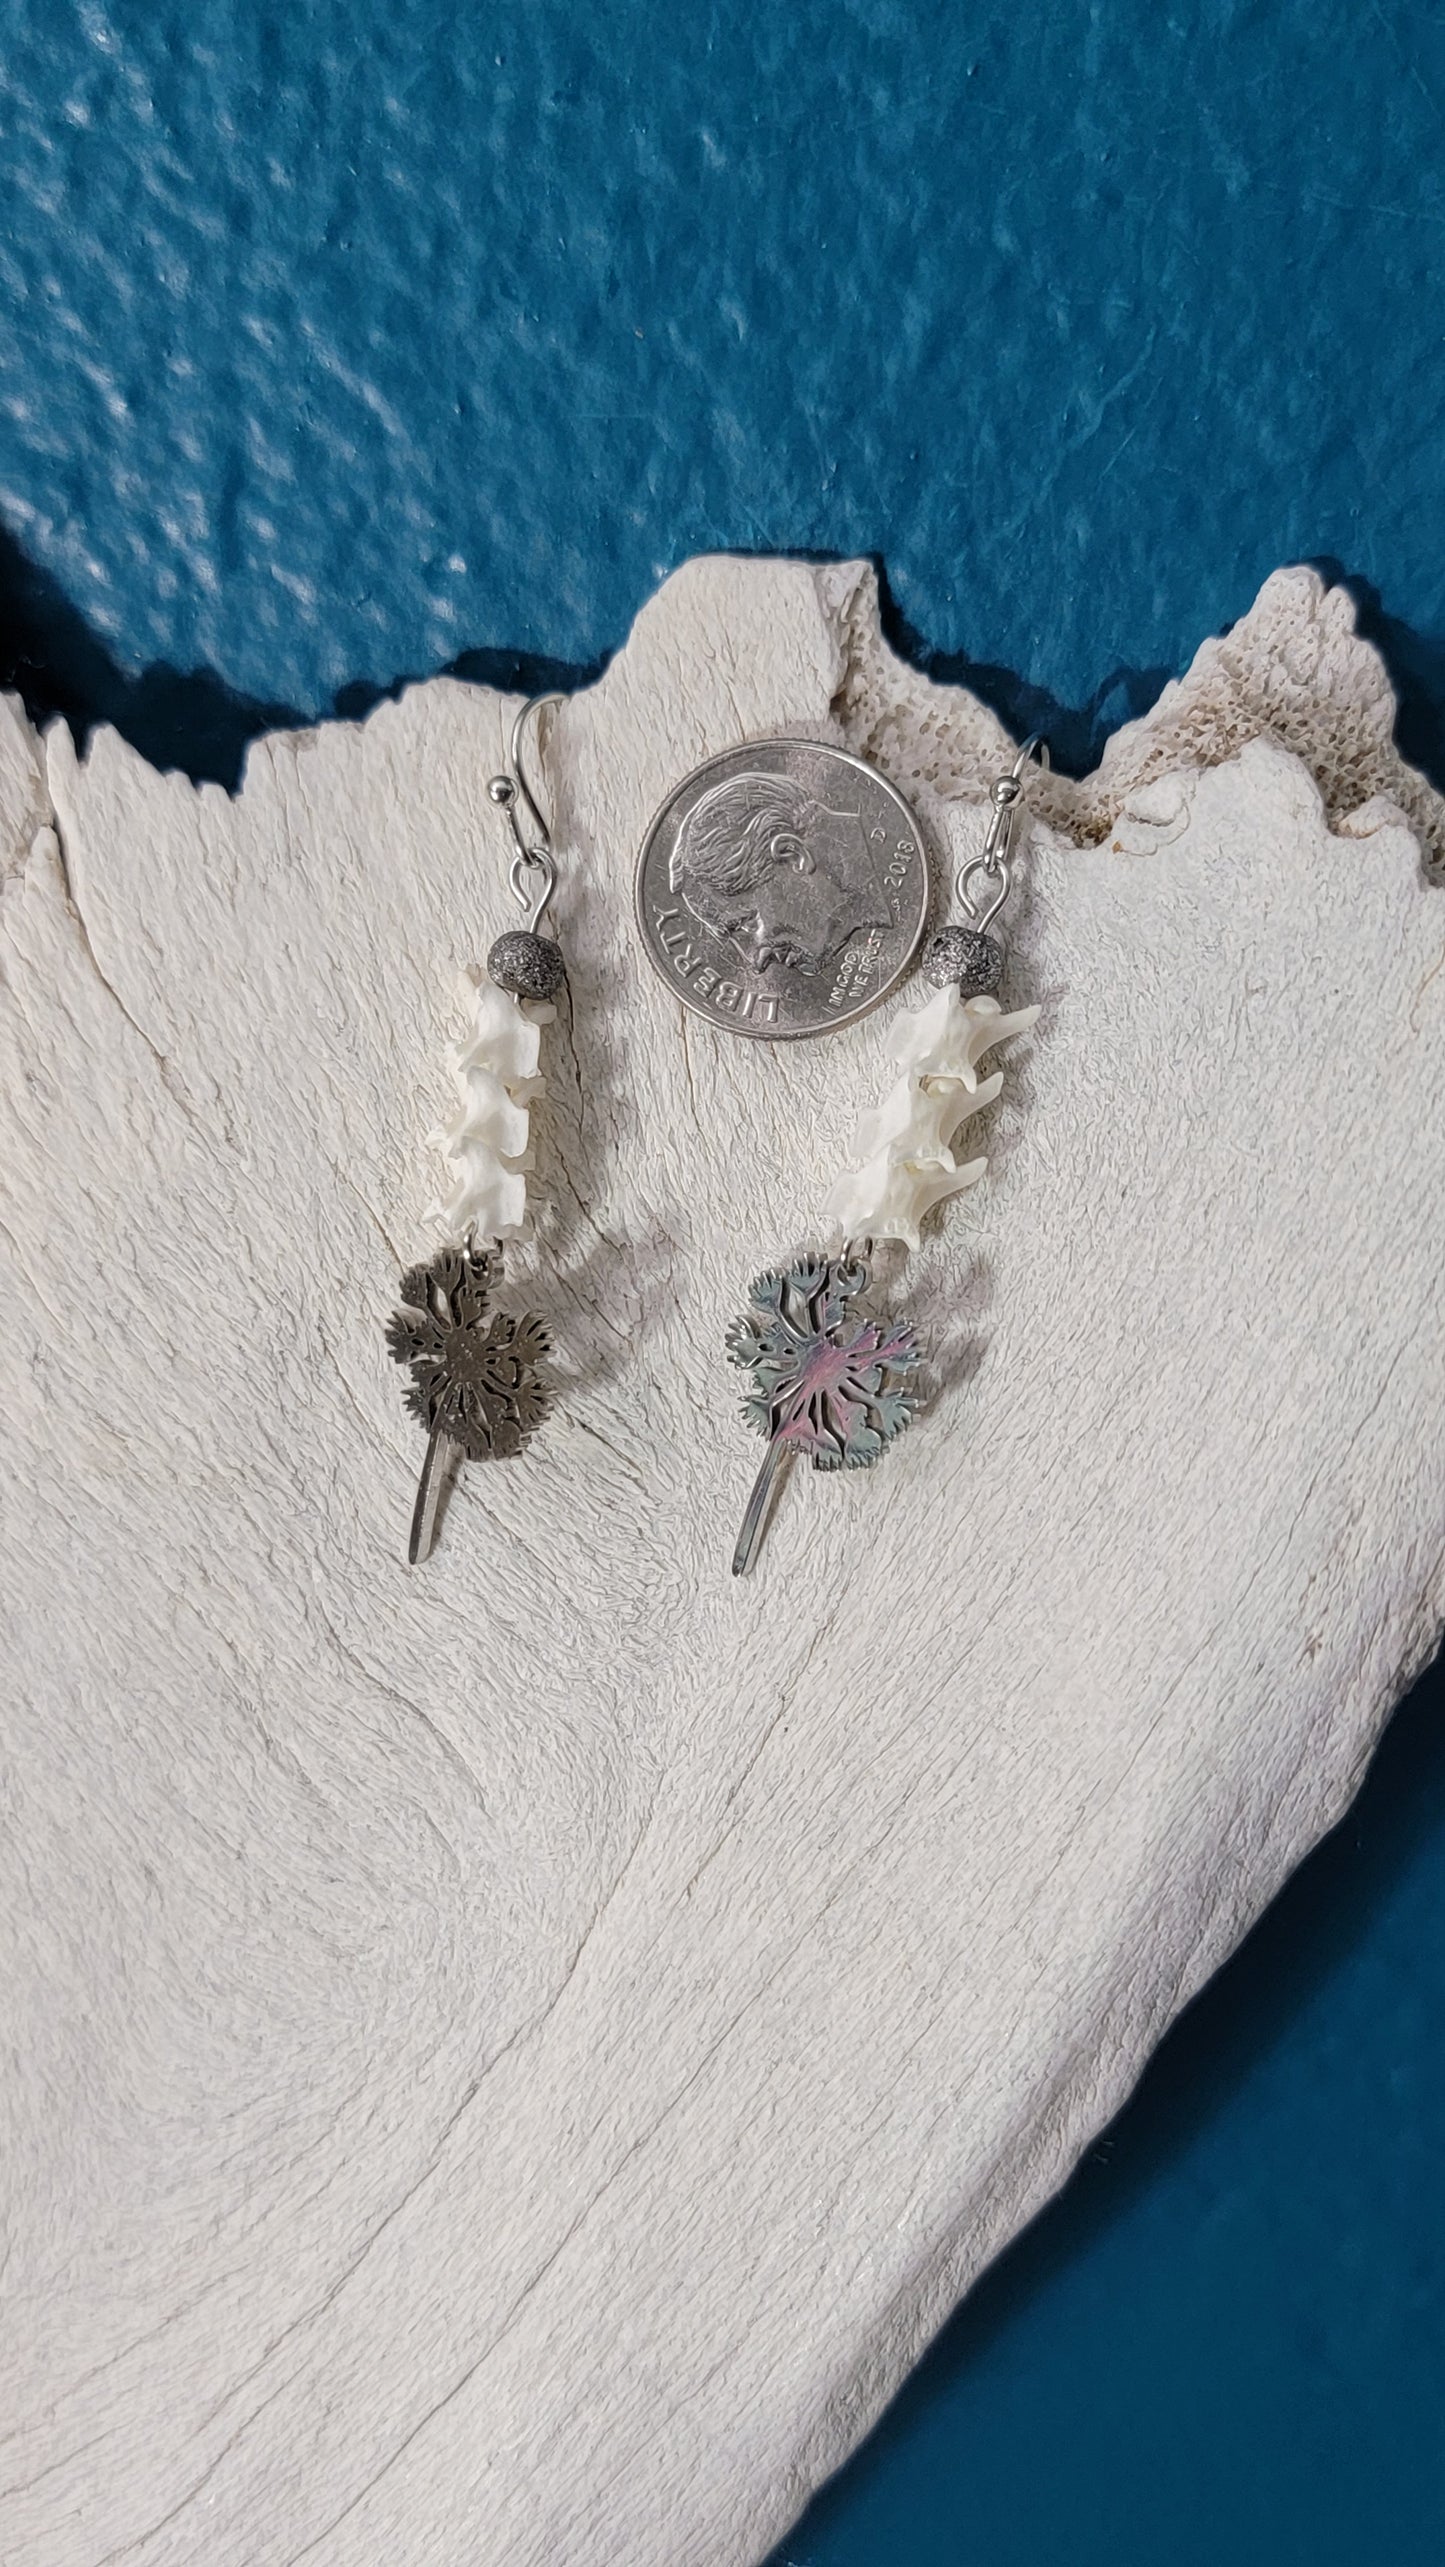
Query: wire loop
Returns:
{"type": "Point", "coordinates": [994, 862]}
{"type": "Point", "coordinates": [532, 872]}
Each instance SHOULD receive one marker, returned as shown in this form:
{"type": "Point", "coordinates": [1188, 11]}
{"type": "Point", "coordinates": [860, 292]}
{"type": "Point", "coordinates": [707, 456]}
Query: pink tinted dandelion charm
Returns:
{"type": "Point", "coordinates": [825, 1382]}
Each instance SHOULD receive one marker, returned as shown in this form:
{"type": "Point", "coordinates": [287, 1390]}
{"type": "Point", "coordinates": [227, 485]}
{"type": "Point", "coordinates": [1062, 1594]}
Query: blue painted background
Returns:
{"type": "Point", "coordinates": [339, 345]}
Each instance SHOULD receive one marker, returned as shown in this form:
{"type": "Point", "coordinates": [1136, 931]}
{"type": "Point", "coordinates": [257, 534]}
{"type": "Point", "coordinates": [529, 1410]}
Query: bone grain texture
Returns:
{"type": "Point", "coordinates": [512, 2062]}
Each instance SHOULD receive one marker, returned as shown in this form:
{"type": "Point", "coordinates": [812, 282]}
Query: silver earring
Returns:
{"type": "Point", "coordinates": [826, 1382]}
{"type": "Point", "coordinates": [726, 926]}
{"type": "Point", "coordinates": [477, 1384]}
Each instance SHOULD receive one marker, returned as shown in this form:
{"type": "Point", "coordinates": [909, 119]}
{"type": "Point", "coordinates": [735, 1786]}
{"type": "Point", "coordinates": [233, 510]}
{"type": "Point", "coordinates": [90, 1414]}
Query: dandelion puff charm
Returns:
{"type": "Point", "coordinates": [826, 1383]}
{"type": "Point", "coordinates": [476, 1387]}
{"type": "Point", "coordinates": [474, 1378]}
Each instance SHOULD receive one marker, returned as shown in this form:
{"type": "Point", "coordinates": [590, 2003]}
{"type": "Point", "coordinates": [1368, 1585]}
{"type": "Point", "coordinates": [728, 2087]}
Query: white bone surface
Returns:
{"type": "Point", "coordinates": [905, 1165]}
{"type": "Point", "coordinates": [487, 1143]}
{"type": "Point", "coordinates": [510, 2062]}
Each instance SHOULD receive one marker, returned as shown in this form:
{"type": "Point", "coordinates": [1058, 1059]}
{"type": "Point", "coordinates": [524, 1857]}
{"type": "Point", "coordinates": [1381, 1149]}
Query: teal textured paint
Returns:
{"type": "Point", "coordinates": [338, 344]}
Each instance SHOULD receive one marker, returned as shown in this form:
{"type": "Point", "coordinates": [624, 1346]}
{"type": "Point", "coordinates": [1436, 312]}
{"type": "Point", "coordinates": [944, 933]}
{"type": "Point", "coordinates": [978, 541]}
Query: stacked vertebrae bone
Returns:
{"type": "Point", "coordinates": [487, 1144]}
{"type": "Point", "coordinates": [904, 1146]}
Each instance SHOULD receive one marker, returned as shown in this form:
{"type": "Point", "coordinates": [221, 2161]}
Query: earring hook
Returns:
{"type": "Point", "coordinates": [533, 871]}
{"type": "Point", "coordinates": [995, 859]}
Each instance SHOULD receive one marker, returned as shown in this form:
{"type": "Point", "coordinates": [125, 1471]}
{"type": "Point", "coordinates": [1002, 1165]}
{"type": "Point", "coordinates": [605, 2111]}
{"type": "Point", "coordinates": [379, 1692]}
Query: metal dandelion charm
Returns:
{"type": "Point", "coordinates": [825, 1383]}
{"type": "Point", "coordinates": [474, 1384]}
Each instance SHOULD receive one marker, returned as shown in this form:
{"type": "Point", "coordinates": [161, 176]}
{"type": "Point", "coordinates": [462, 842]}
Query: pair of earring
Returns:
{"type": "Point", "coordinates": [782, 890]}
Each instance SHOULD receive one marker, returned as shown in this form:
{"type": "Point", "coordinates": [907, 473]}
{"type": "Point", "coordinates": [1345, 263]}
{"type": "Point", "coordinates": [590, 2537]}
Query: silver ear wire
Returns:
{"type": "Point", "coordinates": [533, 870]}
{"type": "Point", "coordinates": [995, 859]}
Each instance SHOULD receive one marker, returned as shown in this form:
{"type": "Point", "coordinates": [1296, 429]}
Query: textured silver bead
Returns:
{"type": "Point", "coordinates": [961, 954]}
{"type": "Point", "coordinates": [527, 965]}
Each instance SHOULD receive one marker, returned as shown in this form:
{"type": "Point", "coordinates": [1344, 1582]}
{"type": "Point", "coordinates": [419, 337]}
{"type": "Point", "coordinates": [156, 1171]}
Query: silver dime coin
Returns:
{"type": "Point", "coordinates": [782, 889]}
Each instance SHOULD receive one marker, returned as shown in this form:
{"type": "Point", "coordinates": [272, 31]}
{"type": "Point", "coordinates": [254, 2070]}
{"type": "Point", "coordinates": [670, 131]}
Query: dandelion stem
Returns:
{"type": "Point", "coordinates": [750, 1536]}
{"type": "Point", "coordinates": [428, 1489]}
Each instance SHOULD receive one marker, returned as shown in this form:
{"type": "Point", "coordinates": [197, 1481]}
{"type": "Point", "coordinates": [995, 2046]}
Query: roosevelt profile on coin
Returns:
{"type": "Point", "coordinates": [781, 876]}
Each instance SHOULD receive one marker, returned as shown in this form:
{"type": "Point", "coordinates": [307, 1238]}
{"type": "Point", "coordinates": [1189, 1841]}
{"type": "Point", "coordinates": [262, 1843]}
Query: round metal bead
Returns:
{"type": "Point", "coordinates": [961, 954]}
{"type": "Point", "coordinates": [529, 966]}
